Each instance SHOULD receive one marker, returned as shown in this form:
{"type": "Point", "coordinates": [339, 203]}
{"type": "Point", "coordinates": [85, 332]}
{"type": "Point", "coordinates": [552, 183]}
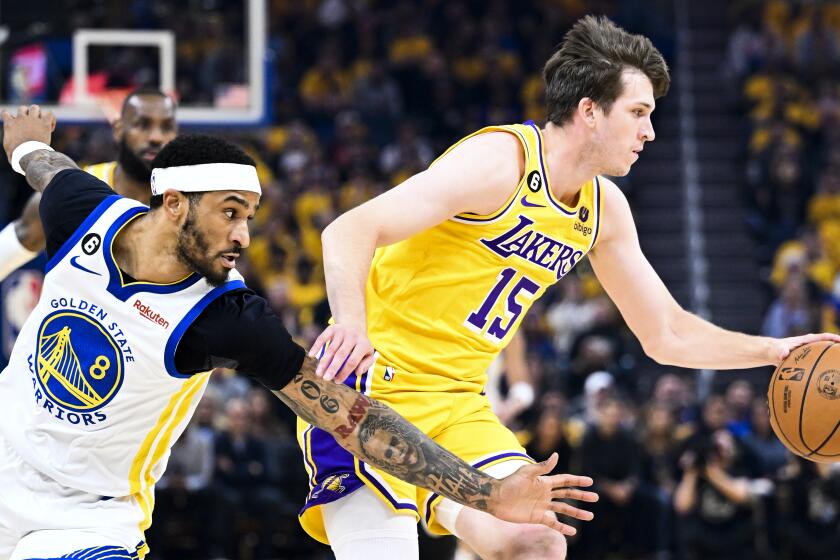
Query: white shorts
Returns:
{"type": "Point", "coordinates": [39, 518]}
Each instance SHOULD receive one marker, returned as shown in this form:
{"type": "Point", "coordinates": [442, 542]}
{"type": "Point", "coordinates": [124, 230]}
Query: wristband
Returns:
{"type": "Point", "coordinates": [25, 149]}
{"type": "Point", "coordinates": [522, 393]}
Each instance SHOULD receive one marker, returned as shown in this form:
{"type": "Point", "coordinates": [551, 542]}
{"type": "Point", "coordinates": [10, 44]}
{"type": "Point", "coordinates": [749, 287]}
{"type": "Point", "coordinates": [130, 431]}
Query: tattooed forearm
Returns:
{"type": "Point", "coordinates": [389, 440]}
{"type": "Point", "coordinates": [42, 165]}
{"type": "Point", "coordinates": [378, 435]}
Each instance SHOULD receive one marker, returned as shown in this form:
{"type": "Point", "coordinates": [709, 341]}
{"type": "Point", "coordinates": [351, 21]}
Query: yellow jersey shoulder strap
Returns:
{"type": "Point", "coordinates": [103, 171]}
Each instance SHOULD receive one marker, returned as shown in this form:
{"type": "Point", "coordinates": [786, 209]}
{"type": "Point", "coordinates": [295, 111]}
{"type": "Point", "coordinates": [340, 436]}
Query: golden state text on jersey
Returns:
{"type": "Point", "coordinates": [444, 302]}
{"type": "Point", "coordinates": [79, 363]}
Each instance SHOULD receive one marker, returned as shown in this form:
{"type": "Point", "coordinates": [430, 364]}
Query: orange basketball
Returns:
{"type": "Point", "coordinates": [804, 400]}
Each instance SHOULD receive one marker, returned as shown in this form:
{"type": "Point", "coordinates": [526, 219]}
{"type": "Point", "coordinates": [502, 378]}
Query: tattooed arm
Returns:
{"type": "Point", "coordinates": [378, 435]}
{"type": "Point", "coordinates": [42, 165]}
{"type": "Point", "coordinates": [32, 124]}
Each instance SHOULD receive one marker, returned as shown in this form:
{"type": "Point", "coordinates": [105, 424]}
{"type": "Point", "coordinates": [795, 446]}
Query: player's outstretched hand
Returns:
{"type": "Point", "coordinates": [530, 495]}
{"type": "Point", "coordinates": [346, 349]}
{"type": "Point", "coordinates": [30, 123]}
{"type": "Point", "coordinates": [782, 347]}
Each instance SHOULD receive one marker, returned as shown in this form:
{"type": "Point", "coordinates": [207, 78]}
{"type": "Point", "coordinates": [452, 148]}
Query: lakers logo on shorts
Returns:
{"type": "Point", "coordinates": [331, 484]}
{"type": "Point", "coordinates": [79, 364]}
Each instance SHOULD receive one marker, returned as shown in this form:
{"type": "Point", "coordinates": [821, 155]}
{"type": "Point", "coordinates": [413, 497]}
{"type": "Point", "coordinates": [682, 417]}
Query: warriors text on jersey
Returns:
{"type": "Point", "coordinates": [446, 301]}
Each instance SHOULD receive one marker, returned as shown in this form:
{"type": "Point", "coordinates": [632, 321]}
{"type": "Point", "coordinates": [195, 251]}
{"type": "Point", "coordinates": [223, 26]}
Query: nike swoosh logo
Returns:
{"type": "Point", "coordinates": [80, 267]}
{"type": "Point", "coordinates": [525, 202]}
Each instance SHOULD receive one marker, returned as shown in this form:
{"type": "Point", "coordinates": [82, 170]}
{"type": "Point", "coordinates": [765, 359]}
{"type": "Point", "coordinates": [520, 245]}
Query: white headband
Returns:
{"type": "Point", "coordinates": [206, 177]}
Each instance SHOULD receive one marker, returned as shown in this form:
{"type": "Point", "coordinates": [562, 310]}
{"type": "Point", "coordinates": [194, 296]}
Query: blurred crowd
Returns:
{"type": "Point", "coordinates": [783, 58]}
{"type": "Point", "coordinates": [364, 94]}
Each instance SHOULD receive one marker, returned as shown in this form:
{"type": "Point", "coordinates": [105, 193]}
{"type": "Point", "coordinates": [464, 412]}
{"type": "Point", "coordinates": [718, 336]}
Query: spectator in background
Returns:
{"type": "Point", "coordinates": [672, 391]}
{"type": "Point", "coordinates": [762, 445]}
{"type": "Point", "coordinates": [660, 442]}
{"type": "Point", "coordinates": [816, 48]}
{"type": "Point", "coordinates": [378, 100]}
{"type": "Point", "coordinates": [614, 528]}
{"type": "Point", "coordinates": [206, 414]}
{"type": "Point", "coordinates": [551, 433]}
{"type": "Point", "coordinates": [791, 313]}
{"type": "Point", "coordinates": [712, 500]}
{"type": "Point", "coordinates": [325, 90]}
{"type": "Point", "coordinates": [739, 396]}
{"type": "Point", "coordinates": [747, 47]}
{"type": "Point", "coordinates": [409, 154]}
{"type": "Point", "coordinates": [264, 419]}
{"type": "Point", "coordinates": [594, 353]}
{"type": "Point", "coordinates": [809, 510]}
{"type": "Point", "coordinates": [225, 385]}
{"type": "Point", "coordinates": [242, 476]}
{"type": "Point", "coordinates": [571, 314]}
{"type": "Point", "coordinates": [600, 347]}
{"type": "Point", "coordinates": [186, 502]}
{"type": "Point", "coordinates": [658, 475]}
{"type": "Point", "coordinates": [714, 417]}
{"type": "Point", "coordinates": [598, 388]}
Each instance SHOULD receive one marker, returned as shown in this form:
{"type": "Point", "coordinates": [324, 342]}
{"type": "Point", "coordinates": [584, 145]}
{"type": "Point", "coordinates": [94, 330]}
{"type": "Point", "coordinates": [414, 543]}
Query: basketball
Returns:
{"type": "Point", "coordinates": [804, 401]}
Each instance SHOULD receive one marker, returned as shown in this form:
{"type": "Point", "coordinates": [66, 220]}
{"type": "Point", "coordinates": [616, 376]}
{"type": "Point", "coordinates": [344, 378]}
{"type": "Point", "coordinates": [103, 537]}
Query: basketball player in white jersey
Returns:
{"type": "Point", "coordinates": [145, 125]}
{"type": "Point", "coordinates": [138, 304]}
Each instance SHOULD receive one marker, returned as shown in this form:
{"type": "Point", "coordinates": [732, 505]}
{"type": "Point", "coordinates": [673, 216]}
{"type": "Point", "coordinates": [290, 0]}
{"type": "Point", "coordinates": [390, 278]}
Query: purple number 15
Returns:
{"type": "Point", "coordinates": [478, 319]}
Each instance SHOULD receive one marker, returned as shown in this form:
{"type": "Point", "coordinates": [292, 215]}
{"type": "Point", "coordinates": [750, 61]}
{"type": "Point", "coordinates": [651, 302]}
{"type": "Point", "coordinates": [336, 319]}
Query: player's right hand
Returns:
{"type": "Point", "coordinates": [30, 123]}
{"type": "Point", "coordinates": [346, 349]}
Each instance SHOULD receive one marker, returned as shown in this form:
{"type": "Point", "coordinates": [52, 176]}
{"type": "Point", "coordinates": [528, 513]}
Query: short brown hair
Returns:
{"type": "Point", "coordinates": [589, 63]}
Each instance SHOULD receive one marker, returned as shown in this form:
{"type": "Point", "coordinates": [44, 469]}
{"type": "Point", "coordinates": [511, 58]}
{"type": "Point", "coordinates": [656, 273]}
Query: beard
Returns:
{"type": "Point", "coordinates": [193, 250]}
{"type": "Point", "coordinates": [133, 165]}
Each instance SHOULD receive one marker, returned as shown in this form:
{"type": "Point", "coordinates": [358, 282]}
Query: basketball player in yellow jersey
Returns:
{"type": "Point", "coordinates": [145, 125]}
{"type": "Point", "coordinates": [429, 281]}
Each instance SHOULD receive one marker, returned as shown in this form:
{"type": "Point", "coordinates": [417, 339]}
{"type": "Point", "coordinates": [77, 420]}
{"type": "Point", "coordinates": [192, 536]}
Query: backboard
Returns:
{"type": "Point", "coordinates": [80, 58]}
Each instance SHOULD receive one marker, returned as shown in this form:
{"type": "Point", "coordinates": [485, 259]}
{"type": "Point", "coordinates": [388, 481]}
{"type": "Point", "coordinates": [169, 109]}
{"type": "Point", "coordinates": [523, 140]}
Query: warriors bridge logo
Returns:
{"type": "Point", "coordinates": [78, 366]}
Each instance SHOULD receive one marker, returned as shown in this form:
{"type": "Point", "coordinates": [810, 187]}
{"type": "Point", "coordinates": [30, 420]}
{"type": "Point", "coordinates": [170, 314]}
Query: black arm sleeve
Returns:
{"type": "Point", "coordinates": [240, 331]}
{"type": "Point", "coordinates": [65, 203]}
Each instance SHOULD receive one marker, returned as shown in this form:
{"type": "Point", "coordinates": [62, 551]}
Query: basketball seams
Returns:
{"type": "Point", "coordinates": [825, 441]}
{"type": "Point", "coordinates": [804, 396]}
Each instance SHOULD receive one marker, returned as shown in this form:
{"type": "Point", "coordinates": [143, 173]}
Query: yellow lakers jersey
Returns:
{"type": "Point", "coordinates": [444, 302]}
{"type": "Point", "coordinates": [103, 171]}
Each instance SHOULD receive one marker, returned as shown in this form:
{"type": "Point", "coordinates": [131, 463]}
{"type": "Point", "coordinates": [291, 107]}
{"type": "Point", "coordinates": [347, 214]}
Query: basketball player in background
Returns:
{"type": "Point", "coordinates": [138, 304]}
{"type": "Point", "coordinates": [430, 280]}
{"type": "Point", "coordinates": [145, 125]}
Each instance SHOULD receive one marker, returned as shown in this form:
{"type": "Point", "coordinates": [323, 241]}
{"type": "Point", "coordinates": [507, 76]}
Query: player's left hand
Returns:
{"type": "Point", "coordinates": [782, 347]}
{"type": "Point", "coordinates": [530, 496]}
{"type": "Point", "coordinates": [346, 350]}
{"type": "Point", "coordinates": [30, 123]}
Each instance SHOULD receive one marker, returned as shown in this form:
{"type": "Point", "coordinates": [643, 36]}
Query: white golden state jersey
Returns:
{"type": "Point", "coordinates": [91, 397]}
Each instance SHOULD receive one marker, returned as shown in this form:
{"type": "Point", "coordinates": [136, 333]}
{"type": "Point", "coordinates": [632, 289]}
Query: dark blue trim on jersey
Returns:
{"type": "Point", "coordinates": [181, 328]}
{"type": "Point", "coordinates": [498, 214]}
{"type": "Point", "coordinates": [597, 211]}
{"type": "Point", "coordinates": [115, 285]}
{"type": "Point", "coordinates": [81, 230]}
{"type": "Point", "coordinates": [545, 176]}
